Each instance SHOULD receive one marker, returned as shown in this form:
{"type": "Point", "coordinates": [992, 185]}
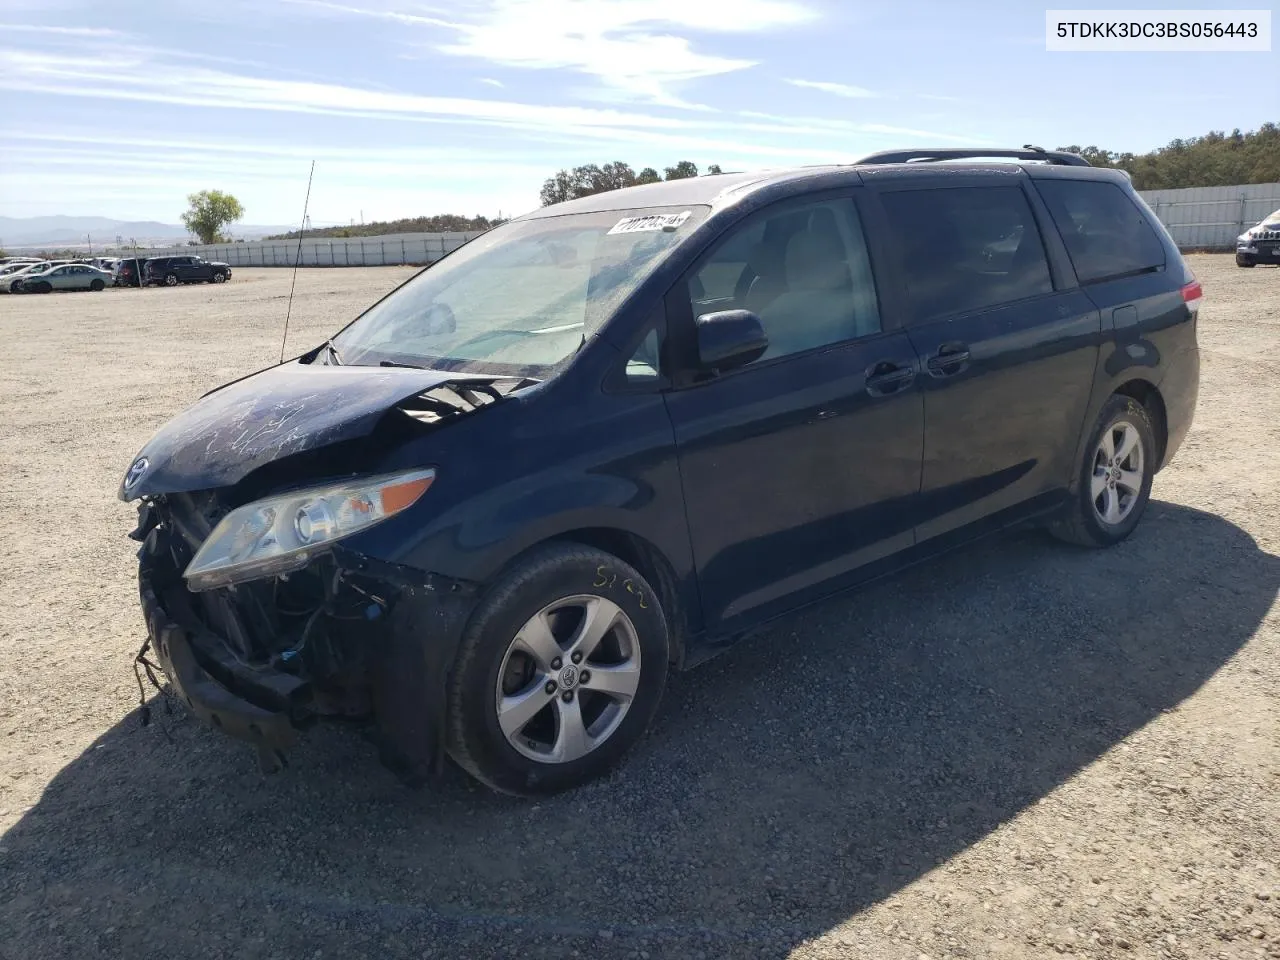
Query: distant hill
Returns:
{"type": "Point", "coordinates": [66, 230]}
{"type": "Point", "coordinates": [440, 223]}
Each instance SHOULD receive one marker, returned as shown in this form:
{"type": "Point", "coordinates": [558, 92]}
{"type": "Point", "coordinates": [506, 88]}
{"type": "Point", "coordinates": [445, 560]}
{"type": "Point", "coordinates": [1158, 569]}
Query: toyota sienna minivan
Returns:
{"type": "Point", "coordinates": [604, 440]}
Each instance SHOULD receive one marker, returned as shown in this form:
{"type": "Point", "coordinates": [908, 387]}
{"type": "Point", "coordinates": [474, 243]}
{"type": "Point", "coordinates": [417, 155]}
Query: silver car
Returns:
{"type": "Point", "coordinates": [18, 271]}
{"type": "Point", "coordinates": [70, 276]}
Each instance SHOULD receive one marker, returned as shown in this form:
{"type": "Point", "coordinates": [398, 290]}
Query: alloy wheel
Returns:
{"type": "Point", "coordinates": [1116, 484]}
{"type": "Point", "coordinates": [568, 678]}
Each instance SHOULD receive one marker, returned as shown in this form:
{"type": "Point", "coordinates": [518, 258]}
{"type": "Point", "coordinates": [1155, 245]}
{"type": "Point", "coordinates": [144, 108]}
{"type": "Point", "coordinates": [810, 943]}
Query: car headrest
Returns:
{"type": "Point", "coordinates": [815, 264]}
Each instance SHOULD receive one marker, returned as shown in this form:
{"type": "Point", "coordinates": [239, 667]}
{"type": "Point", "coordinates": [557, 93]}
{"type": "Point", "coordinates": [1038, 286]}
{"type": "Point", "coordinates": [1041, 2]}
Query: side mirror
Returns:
{"type": "Point", "coordinates": [729, 339]}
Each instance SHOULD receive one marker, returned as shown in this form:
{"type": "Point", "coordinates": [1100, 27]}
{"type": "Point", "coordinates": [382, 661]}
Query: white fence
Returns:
{"type": "Point", "coordinates": [1211, 218]}
{"type": "Point", "coordinates": [415, 248]}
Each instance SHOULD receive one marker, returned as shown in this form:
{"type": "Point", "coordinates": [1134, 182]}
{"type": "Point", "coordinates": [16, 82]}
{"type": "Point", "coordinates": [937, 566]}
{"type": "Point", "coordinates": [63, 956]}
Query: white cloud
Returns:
{"type": "Point", "coordinates": [839, 89]}
{"type": "Point", "coordinates": [632, 47]}
{"type": "Point", "coordinates": [59, 31]}
{"type": "Point", "coordinates": [490, 81]}
{"type": "Point", "coordinates": [395, 15]}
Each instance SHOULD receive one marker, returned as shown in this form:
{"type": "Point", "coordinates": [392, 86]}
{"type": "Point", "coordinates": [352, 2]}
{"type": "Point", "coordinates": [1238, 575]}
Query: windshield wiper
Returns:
{"type": "Point", "coordinates": [396, 363]}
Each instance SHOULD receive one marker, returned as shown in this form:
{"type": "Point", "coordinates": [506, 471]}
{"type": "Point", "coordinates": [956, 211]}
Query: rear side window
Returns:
{"type": "Point", "coordinates": [967, 248]}
{"type": "Point", "coordinates": [1105, 232]}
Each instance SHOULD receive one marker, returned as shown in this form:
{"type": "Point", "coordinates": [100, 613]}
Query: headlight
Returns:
{"type": "Point", "coordinates": [284, 533]}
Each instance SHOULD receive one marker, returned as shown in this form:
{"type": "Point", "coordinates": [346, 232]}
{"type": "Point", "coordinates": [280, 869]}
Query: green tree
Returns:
{"type": "Point", "coordinates": [648, 175]}
{"type": "Point", "coordinates": [557, 188]}
{"type": "Point", "coordinates": [713, 169]}
{"type": "Point", "coordinates": [682, 170]}
{"type": "Point", "coordinates": [209, 211]}
{"type": "Point", "coordinates": [1216, 159]}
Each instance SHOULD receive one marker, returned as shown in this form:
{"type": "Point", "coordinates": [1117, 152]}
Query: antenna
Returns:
{"type": "Point", "coordinates": [296, 260]}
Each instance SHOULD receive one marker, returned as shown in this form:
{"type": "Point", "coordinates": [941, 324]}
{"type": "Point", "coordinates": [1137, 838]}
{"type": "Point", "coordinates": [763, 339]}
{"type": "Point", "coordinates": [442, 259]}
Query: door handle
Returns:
{"type": "Point", "coordinates": [889, 376]}
{"type": "Point", "coordinates": [948, 360]}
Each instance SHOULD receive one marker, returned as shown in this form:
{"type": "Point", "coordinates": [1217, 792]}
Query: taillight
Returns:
{"type": "Point", "coordinates": [1192, 294]}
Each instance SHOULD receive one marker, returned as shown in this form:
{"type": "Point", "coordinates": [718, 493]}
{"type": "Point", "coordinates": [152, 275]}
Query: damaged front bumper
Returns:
{"type": "Point", "coordinates": [262, 682]}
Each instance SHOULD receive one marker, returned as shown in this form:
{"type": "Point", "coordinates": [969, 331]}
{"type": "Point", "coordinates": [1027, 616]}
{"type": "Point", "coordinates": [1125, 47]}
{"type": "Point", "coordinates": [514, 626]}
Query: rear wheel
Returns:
{"type": "Point", "coordinates": [97, 285]}
{"type": "Point", "coordinates": [1115, 478]}
{"type": "Point", "coordinates": [559, 672]}
{"type": "Point", "coordinates": [171, 280]}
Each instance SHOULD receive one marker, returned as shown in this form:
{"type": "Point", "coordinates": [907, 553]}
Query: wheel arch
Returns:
{"type": "Point", "coordinates": [1148, 394]}
{"type": "Point", "coordinates": [639, 552]}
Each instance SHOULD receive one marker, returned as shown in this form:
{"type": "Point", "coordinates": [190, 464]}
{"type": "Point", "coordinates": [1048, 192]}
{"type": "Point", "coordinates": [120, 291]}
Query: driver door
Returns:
{"type": "Point", "coordinates": [805, 465]}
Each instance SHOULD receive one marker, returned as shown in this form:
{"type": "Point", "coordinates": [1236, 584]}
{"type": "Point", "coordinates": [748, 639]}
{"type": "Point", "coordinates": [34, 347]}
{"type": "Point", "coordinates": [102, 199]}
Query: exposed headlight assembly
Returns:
{"type": "Point", "coordinates": [285, 532]}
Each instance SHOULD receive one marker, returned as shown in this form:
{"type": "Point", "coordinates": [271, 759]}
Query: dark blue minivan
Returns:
{"type": "Point", "coordinates": [608, 438]}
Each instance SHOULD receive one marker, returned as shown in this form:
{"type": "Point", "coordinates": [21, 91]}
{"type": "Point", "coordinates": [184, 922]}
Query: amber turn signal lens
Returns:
{"type": "Point", "coordinates": [399, 496]}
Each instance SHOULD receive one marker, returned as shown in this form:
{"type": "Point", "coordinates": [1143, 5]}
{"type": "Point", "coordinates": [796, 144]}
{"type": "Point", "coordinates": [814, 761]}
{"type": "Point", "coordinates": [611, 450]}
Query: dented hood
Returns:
{"type": "Point", "coordinates": [283, 410]}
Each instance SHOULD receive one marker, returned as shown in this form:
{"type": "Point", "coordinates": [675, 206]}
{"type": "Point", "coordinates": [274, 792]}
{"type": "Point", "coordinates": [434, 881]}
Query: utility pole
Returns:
{"type": "Point", "coordinates": [90, 239]}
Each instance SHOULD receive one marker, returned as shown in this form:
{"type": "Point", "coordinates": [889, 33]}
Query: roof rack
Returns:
{"type": "Point", "coordinates": [929, 154]}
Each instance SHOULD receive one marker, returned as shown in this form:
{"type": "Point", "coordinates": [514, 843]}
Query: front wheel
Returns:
{"type": "Point", "coordinates": [1245, 261]}
{"type": "Point", "coordinates": [171, 280]}
{"type": "Point", "coordinates": [559, 672]}
{"type": "Point", "coordinates": [219, 278]}
{"type": "Point", "coordinates": [45, 288]}
{"type": "Point", "coordinates": [1115, 478]}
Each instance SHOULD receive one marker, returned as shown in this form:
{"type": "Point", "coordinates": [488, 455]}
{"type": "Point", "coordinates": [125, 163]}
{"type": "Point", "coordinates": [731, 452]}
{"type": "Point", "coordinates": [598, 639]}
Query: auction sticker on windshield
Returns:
{"type": "Point", "coordinates": [652, 223]}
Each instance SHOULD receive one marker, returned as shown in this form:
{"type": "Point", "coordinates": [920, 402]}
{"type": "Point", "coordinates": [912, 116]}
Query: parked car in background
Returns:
{"type": "Point", "coordinates": [69, 276]}
{"type": "Point", "coordinates": [620, 432]}
{"type": "Point", "coordinates": [19, 271]}
{"type": "Point", "coordinates": [127, 271]}
{"type": "Point", "coordinates": [1260, 243]}
{"type": "Point", "coordinates": [12, 268]}
{"type": "Point", "coordinates": [172, 271]}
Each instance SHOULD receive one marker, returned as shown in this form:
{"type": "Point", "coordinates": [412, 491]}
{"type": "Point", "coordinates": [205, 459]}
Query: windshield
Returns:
{"type": "Point", "coordinates": [521, 298]}
{"type": "Point", "coordinates": [1272, 218]}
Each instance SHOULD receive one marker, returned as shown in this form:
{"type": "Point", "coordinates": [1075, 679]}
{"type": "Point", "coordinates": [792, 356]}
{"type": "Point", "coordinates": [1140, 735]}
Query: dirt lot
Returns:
{"type": "Point", "coordinates": [1022, 750]}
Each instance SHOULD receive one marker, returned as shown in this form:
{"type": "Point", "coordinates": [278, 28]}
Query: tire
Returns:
{"type": "Point", "coordinates": [171, 280]}
{"type": "Point", "coordinates": [45, 288]}
{"type": "Point", "coordinates": [96, 285]}
{"type": "Point", "coordinates": [1100, 485]}
{"type": "Point", "coordinates": [1245, 262]}
{"type": "Point", "coordinates": [490, 663]}
{"type": "Point", "coordinates": [219, 278]}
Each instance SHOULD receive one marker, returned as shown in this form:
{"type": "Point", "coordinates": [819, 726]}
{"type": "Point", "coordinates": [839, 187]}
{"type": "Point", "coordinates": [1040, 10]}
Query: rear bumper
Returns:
{"type": "Point", "coordinates": [1180, 388]}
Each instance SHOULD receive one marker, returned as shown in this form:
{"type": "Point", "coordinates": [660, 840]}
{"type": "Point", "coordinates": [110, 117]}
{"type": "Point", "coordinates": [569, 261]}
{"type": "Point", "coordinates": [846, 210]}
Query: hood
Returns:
{"type": "Point", "coordinates": [283, 410]}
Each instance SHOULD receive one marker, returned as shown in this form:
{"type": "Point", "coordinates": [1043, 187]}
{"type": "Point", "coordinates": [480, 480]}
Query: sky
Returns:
{"type": "Point", "coordinates": [408, 108]}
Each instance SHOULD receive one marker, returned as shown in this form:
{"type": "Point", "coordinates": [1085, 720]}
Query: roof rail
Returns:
{"type": "Point", "coordinates": [927, 154]}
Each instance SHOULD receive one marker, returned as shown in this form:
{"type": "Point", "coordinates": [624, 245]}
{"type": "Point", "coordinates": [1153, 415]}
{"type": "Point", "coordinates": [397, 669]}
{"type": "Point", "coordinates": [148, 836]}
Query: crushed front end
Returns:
{"type": "Point", "coordinates": [346, 636]}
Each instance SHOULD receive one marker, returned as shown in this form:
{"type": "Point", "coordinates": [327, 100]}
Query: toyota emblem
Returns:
{"type": "Point", "coordinates": [136, 472]}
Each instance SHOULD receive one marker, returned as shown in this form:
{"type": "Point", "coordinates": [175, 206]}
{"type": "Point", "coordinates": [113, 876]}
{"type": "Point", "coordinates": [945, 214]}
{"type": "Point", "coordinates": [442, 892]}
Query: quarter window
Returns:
{"type": "Point", "coordinates": [1105, 232]}
{"type": "Point", "coordinates": [644, 365]}
{"type": "Point", "coordinates": [967, 248]}
{"type": "Point", "coordinates": [803, 270]}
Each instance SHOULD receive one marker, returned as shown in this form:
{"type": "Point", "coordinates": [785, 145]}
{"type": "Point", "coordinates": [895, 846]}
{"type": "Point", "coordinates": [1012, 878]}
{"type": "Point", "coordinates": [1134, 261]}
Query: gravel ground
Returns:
{"type": "Point", "coordinates": [1020, 750]}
